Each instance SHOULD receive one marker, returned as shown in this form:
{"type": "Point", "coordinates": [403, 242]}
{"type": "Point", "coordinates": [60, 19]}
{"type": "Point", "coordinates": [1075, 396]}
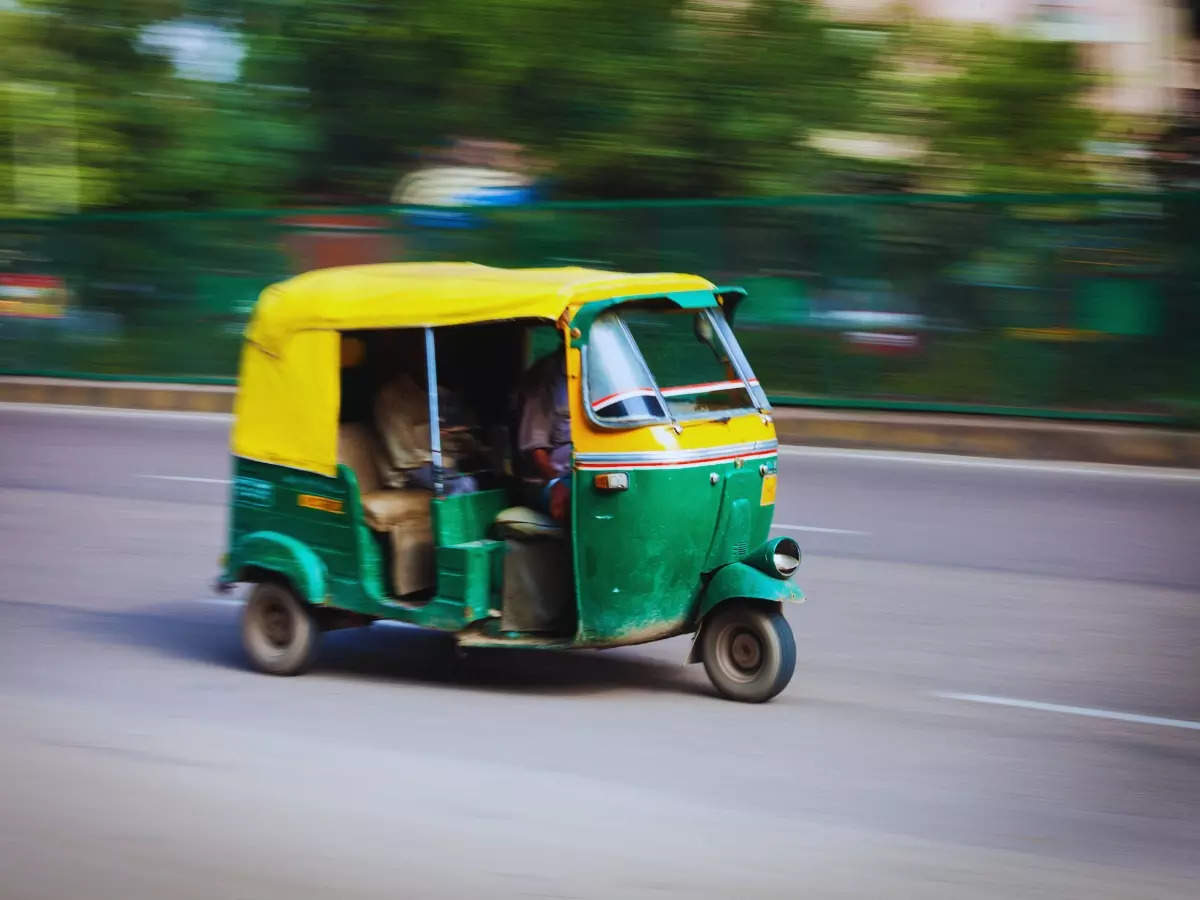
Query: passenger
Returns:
{"type": "Point", "coordinates": [402, 419]}
{"type": "Point", "coordinates": [544, 434]}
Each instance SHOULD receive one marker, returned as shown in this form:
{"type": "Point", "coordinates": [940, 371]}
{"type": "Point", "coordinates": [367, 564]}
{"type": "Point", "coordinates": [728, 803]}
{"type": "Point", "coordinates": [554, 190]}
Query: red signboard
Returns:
{"type": "Point", "coordinates": [32, 296]}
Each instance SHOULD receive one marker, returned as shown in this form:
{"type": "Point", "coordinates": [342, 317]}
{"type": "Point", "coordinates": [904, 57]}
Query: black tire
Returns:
{"type": "Point", "coordinates": [279, 632]}
{"type": "Point", "coordinates": [748, 651]}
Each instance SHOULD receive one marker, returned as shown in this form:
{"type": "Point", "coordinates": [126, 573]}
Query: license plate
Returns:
{"type": "Point", "coordinates": [768, 490]}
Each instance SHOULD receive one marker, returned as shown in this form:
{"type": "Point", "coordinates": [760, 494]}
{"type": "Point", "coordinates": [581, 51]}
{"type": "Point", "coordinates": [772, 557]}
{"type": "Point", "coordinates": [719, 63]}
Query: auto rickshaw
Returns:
{"type": "Point", "coordinates": [672, 475]}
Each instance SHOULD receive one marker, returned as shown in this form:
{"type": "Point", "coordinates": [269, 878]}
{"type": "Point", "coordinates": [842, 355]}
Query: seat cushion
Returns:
{"type": "Point", "coordinates": [397, 506]}
{"type": "Point", "coordinates": [412, 557]}
{"type": "Point", "coordinates": [357, 449]}
{"type": "Point", "coordinates": [404, 515]}
{"type": "Point", "coordinates": [521, 522]}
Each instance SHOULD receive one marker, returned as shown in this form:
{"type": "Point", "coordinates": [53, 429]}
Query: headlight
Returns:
{"type": "Point", "coordinates": [786, 557]}
{"type": "Point", "coordinates": [779, 557]}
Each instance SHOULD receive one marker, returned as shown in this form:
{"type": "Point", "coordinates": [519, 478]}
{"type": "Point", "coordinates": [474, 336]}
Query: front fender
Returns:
{"type": "Point", "coordinates": [744, 581]}
{"type": "Point", "coordinates": [280, 553]}
{"type": "Point", "coordinates": [741, 581]}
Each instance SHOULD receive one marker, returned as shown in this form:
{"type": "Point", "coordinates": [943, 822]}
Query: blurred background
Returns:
{"type": "Point", "coordinates": [938, 204]}
{"type": "Point", "coordinates": [984, 206]}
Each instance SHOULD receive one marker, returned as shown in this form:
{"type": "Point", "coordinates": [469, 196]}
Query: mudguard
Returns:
{"type": "Point", "coordinates": [741, 581]}
{"type": "Point", "coordinates": [275, 552]}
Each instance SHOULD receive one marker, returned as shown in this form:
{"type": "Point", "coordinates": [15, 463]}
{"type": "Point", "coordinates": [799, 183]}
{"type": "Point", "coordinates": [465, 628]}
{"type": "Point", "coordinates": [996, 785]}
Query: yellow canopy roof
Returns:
{"type": "Point", "coordinates": [286, 409]}
{"type": "Point", "coordinates": [407, 295]}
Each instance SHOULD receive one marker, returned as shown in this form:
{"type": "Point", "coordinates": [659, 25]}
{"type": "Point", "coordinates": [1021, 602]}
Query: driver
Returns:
{"type": "Point", "coordinates": [544, 434]}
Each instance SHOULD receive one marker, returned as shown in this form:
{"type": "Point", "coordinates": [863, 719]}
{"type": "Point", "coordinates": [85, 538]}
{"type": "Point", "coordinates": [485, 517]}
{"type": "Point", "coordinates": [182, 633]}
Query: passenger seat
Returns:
{"type": "Point", "coordinates": [401, 513]}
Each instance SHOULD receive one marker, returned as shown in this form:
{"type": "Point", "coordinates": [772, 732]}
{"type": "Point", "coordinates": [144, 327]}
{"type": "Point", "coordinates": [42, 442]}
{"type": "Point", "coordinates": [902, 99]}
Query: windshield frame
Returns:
{"type": "Point", "coordinates": [737, 359]}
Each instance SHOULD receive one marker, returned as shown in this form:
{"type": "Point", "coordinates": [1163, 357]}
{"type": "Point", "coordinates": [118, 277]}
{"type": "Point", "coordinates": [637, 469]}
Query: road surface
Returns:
{"type": "Point", "coordinates": [998, 695]}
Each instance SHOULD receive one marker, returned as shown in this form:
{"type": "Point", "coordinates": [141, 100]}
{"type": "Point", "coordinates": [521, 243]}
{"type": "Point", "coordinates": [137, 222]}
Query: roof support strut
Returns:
{"type": "Point", "coordinates": [435, 421]}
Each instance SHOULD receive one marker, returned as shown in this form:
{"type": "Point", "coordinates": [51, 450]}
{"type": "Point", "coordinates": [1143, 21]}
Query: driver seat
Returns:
{"type": "Point", "coordinates": [539, 588]}
{"type": "Point", "coordinates": [521, 523]}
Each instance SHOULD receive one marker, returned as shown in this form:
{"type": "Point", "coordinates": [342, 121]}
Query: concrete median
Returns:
{"type": "Point", "coordinates": [119, 394]}
{"type": "Point", "coordinates": [997, 436]}
{"type": "Point", "coordinates": [976, 435]}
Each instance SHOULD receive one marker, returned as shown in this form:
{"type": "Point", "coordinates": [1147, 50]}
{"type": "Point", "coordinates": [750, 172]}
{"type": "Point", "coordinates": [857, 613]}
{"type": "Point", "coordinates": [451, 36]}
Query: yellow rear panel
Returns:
{"type": "Point", "coordinates": [286, 409]}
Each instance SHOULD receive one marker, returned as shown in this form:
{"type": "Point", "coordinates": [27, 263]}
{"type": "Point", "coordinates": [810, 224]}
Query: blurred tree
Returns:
{"type": "Point", "coordinates": [625, 98]}
{"type": "Point", "coordinates": [620, 98]}
{"type": "Point", "coordinates": [98, 119]}
{"type": "Point", "coordinates": [70, 72]}
{"type": "Point", "coordinates": [720, 103]}
{"type": "Point", "coordinates": [1006, 114]}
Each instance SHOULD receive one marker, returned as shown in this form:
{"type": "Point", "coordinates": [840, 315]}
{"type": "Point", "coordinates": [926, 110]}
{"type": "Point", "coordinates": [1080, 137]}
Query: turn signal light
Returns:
{"type": "Point", "coordinates": [611, 481]}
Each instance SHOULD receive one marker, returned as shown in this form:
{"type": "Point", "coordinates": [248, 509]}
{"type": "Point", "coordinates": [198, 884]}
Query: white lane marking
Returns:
{"type": "Point", "coordinates": [1070, 710]}
{"type": "Point", "coordinates": [1109, 470]}
{"type": "Point", "coordinates": [187, 478]}
{"type": "Point", "coordinates": [115, 412]}
{"type": "Point", "coordinates": [819, 530]}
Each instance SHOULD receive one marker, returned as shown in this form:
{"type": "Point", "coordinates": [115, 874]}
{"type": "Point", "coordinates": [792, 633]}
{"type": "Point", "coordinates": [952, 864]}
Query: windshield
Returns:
{"type": "Point", "coordinates": [640, 359]}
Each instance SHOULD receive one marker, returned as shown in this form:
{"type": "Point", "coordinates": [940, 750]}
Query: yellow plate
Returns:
{"type": "Point", "coordinates": [768, 490]}
{"type": "Point", "coordinates": [313, 501]}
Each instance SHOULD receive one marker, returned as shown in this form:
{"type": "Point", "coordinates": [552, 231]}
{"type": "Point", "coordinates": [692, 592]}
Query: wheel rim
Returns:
{"type": "Point", "coordinates": [276, 625]}
{"type": "Point", "coordinates": [740, 653]}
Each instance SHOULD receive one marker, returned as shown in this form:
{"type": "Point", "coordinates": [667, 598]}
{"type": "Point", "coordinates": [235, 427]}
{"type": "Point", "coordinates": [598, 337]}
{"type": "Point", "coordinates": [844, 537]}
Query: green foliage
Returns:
{"type": "Point", "coordinates": [1008, 115]}
{"type": "Point", "coordinates": [96, 119]}
{"type": "Point", "coordinates": [623, 97]}
{"type": "Point", "coordinates": [721, 108]}
{"type": "Point", "coordinates": [615, 98]}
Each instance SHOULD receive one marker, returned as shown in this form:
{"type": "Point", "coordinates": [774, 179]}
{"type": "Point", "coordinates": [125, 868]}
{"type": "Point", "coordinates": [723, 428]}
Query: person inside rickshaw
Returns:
{"type": "Point", "coordinates": [483, 392]}
{"type": "Point", "coordinates": [401, 415]}
{"type": "Point", "coordinates": [384, 438]}
{"type": "Point", "coordinates": [485, 397]}
{"type": "Point", "coordinates": [544, 435]}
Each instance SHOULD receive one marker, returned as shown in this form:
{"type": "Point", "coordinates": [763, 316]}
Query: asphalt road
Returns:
{"type": "Point", "coordinates": [141, 759]}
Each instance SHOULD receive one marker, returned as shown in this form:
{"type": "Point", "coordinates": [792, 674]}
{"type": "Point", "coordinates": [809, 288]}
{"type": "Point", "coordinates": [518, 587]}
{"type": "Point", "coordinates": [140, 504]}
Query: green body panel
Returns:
{"type": "Point", "coordinates": [743, 521]}
{"type": "Point", "coordinates": [265, 499]}
{"type": "Point", "coordinates": [640, 553]}
{"type": "Point", "coordinates": [587, 313]}
{"type": "Point", "coordinates": [470, 566]}
{"type": "Point", "coordinates": [335, 558]}
{"type": "Point", "coordinates": [466, 517]}
{"type": "Point", "coordinates": [472, 575]}
{"type": "Point", "coordinates": [742, 580]}
{"type": "Point", "coordinates": [275, 552]}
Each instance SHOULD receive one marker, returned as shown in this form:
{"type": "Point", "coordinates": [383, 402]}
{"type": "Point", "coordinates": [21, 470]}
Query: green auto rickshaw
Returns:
{"type": "Point", "coordinates": [670, 476]}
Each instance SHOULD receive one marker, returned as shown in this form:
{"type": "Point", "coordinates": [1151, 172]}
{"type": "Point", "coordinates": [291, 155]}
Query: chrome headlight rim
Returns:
{"type": "Point", "coordinates": [779, 557]}
{"type": "Point", "coordinates": [785, 557]}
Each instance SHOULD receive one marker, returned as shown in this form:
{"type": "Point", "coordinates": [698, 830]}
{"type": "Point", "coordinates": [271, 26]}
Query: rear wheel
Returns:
{"type": "Point", "coordinates": [748, 650]}
{"type": "Point", "coordinates": [279, 632]}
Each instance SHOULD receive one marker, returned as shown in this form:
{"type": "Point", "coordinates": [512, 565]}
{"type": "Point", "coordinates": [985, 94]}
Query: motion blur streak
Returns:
{"type": "Point", "coordinates": [956, 205]}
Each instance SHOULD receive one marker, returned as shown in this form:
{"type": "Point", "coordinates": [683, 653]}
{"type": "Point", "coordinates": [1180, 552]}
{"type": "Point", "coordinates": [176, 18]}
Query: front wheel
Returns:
{"type": "Point", "coordinates": [278, 630]}
{"type": "Point", "coordinates": [748, 650]}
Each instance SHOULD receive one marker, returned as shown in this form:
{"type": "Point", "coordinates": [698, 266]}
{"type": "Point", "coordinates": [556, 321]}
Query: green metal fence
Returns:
{"type": "Point", "coordinates": [1071, 306]}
